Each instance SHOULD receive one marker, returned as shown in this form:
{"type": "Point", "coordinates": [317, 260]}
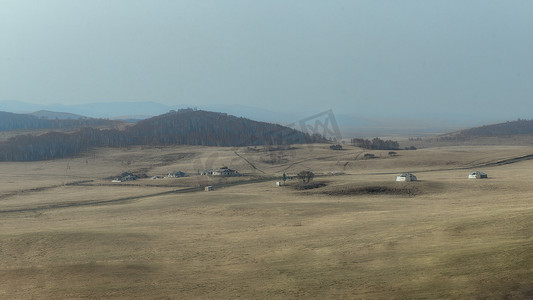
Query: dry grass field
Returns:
{"type": "Point", "coordinates": [67, 232]}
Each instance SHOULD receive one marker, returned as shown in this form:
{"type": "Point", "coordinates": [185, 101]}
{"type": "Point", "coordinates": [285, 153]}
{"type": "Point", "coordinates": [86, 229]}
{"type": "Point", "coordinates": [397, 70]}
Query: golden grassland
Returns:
{"type": "Point", "coordinates": [362, 236]}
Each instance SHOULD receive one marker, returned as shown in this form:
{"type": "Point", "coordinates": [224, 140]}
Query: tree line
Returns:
{"type": "Point", "coordinates": [375, 144]}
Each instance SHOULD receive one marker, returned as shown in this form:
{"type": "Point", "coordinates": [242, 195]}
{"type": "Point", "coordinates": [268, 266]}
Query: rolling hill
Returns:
{"type": "Point", "coordinates": [519, 132]}
{"type": "Point", "coordinates": [518, 127]}
{"type": "Point", "coordinates": [183, 127]}
{"type": "Point", "coordinates": [198, 127]}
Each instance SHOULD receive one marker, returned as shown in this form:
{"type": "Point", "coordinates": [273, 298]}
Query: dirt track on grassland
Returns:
{"type": "Point", "coordinates": [123, 199]}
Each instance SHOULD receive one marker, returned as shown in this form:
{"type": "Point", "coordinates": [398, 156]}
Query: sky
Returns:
{"type": "Point", "coordinates": [395, 58]}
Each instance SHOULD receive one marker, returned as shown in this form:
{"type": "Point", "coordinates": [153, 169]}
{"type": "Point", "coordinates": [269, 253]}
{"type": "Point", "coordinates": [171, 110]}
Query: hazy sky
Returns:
{"type": "Point", "coordinates": [472, 57]}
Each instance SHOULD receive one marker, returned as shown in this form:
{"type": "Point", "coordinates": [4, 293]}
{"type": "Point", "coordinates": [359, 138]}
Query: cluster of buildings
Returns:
{"type": "Point", "coordinates": [224, 171]}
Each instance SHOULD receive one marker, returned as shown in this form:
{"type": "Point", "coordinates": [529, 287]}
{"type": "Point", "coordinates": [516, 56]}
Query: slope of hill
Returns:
{"type": "Point", "coordinates": [518, 127]}
{"type": "Point", "coordinates": [519, 132]}
{"type": "Point", "coordinates": [184, 127]}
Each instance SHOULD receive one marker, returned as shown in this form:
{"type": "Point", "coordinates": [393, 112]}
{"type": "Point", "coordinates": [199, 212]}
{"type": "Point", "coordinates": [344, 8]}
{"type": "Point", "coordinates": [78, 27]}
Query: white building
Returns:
{"type": "Point", "coordinates": [477, 175]}
{"type": "Point", "coordinates": [406, 177]}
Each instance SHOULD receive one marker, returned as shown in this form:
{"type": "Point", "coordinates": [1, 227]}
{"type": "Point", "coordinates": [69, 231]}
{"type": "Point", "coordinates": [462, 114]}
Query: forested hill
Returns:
{"type": "Point", "coordinates": [198, 127]}
{"type": "Point", "coordinates": [184, 127]}
{"type": "Point", "coordinates": [518, 127]}
{"type": "Point", "coordinates": [11, 121]}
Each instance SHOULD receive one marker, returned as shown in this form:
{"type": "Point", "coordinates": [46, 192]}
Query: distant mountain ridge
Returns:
{"type": "Point", "coordinates": [12, 121]}
{"type": "Point", "coordinates": [47, 114]}
{"type": "Point", "coordinates": [182, 127]}
{"type": "Point", "coordinates": [108, 110]}
{"type": "Point", "coordinates": [351, 123]}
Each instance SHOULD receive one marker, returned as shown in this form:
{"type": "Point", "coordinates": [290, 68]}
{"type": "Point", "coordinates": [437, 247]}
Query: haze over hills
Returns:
{"type": "Point", "coordinates": [109, 110]}
{"type": "Point", "coordinates": [184, 127]}
{"type": "Point", "coordinates": [350, 123]}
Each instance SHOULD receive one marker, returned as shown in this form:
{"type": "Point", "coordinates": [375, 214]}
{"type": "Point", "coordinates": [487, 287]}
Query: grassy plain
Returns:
{"type": "Point", "coordinates": [362, 236]}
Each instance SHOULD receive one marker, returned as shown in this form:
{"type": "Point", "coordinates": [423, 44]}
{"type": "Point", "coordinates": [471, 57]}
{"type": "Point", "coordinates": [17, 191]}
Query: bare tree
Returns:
{"type": "Point", "coordinates": [306, 176]}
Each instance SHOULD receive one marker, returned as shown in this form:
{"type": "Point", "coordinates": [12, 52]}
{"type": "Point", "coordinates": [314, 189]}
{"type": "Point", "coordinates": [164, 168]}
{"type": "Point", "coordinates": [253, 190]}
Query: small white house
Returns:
{"type": "Point", "coordinates": [477, 175]}
{"type": "Point", "coordinates": [406, 177]}
{"type": "Point", "coordinates": [209, 188]}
